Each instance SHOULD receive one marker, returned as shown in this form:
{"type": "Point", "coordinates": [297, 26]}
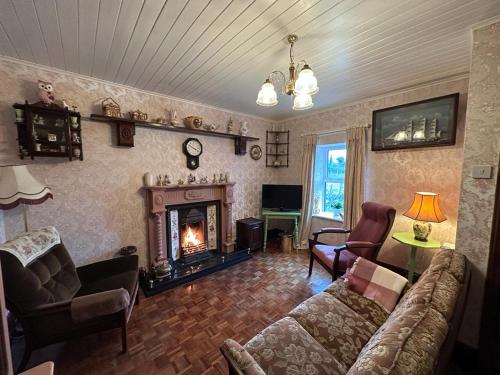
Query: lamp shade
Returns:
{"type": "Point", "coordinates": [17, 185]}
{"type": "Point", "coordinates": [307, 82]}
{"type": "Point", "coordinates": [425, 207]}
{"type": "Point", "coordinates": [267, 96]}
{"type": "Point", "coordinates": [302, 101]}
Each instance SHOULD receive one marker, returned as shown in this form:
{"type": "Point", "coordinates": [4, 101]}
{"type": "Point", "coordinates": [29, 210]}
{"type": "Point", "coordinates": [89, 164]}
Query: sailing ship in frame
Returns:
{"type": "Point", "coordinates": [430, 122]}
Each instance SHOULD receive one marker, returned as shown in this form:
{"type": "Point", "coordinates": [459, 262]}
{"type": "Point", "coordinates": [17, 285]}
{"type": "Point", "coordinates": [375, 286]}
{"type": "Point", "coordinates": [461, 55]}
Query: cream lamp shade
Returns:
{"type": "Point", "coordinates": [307, 82]}
{"type": "Point", "coordinates": [267, 96]}
{"type": "Point", "coordinates": [18, 186]}
{"type": "Point", "coordinates": [424, 210]}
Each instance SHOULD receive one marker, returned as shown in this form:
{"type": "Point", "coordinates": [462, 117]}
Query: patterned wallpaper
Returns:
{"type": "Point", "coordinates": [482, 147]}
{"type": "Point", "coordinates": [98, 204]}
{"type": "Point", "coordinates": [392, 177]}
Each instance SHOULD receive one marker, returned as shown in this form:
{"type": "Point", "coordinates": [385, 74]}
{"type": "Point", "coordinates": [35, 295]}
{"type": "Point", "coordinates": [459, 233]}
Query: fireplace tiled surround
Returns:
{"type": "Point", "coordinates": [202, 208]}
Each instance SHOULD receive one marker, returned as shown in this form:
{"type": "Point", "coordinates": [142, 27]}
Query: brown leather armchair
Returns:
{"type": "Point", "coordinates": [55, 301]}
{"type": "Point", "coordinates": [365, 240]}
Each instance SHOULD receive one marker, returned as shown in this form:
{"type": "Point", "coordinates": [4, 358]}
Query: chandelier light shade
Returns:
{"type": "Point", "coordinates": [302, 102]}
{"type": "Point", "coordinates": [307, 82]}
{"type": "Point", "coordinates": [302, 87]}
{"type": "Point", "coordinates": [267, 96]}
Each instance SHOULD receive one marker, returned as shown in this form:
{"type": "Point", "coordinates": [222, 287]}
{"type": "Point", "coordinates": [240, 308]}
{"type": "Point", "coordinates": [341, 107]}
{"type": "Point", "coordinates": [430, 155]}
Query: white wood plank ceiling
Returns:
{"type": "Point", "coordinates": [218, 52]}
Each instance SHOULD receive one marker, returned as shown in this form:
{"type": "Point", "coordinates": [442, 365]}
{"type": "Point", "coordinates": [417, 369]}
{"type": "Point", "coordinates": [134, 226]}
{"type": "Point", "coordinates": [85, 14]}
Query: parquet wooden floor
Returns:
{"type": "Point", "coordinates": [180, 331]}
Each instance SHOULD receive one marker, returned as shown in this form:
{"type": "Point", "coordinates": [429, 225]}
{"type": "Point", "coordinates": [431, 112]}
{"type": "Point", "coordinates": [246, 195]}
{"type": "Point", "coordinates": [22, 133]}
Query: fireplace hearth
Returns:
{"type": "Point", "coordinates": [190, 232]}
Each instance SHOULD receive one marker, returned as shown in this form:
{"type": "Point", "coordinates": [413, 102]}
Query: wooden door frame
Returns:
{"type": "Point", "coordinates": [491, 303]}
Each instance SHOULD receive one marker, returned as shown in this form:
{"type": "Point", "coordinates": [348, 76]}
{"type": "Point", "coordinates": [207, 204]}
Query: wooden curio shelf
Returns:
{"type": "Point", "coordinates": [126, 131]}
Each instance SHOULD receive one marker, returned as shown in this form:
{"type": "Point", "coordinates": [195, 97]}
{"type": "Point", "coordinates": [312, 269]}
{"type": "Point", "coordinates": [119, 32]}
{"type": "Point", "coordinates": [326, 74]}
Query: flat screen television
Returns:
{"type": "Point", "coordinates": [282, 197]}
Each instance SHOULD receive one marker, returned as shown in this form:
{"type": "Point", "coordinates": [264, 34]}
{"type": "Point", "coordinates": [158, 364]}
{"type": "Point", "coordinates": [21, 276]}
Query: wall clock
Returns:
{"type": "Point", "coordinates": [192, 148]}
{"type": "Point", "coordinates": [255, 152]}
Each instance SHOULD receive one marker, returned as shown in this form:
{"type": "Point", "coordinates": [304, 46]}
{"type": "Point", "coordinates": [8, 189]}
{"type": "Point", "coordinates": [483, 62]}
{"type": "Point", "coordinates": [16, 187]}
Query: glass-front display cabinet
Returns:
{"type": "Point", "coordinates": [48, 131]}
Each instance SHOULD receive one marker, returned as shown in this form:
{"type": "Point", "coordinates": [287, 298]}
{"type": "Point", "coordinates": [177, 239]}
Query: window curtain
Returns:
{"type": "Point", "coordinates": [308, 156]}
{"type": "Point", "coordinates": [354, 175]}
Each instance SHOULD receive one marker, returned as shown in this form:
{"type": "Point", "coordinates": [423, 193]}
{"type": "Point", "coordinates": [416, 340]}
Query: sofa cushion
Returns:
{"type": "Point", "coordinates": [407, 343]}
{"type": "Point", "coordinates": [338, 328]}
{"type": "Point", "coordinates": [365, 307]}
{"type": "Point", "coordinates": [286, 348]}
{"type": "Point", "coordinates": [445, 294]}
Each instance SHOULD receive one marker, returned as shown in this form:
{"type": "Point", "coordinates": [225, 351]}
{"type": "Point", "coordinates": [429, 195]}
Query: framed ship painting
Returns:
{"type": "Point", "coordinates": [431, 122]}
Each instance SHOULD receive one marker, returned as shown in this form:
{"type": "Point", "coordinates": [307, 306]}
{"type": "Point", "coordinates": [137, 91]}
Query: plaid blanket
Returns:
{"type": "Point", "coordinates": [376, 283]}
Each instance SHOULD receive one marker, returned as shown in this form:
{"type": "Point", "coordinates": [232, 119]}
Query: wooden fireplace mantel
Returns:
{"type": "Point", "coordinates": [158, 197]}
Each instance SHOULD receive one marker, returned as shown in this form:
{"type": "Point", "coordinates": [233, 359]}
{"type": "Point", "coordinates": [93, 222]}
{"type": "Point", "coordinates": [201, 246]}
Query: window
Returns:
{"type": "Point", "coordinates": [329, 174]}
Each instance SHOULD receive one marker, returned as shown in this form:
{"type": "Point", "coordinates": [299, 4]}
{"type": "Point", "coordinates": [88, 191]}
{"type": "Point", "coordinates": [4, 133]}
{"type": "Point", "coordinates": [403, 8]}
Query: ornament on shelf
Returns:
{"type": "Point", "coordinates": [68, 104]}
{"type": "Point", "coordinates": [191, 179]}
{"type": "Point", "coordinates": [230, 126]}
{"type": "Point", "coordinates": [111, 108]}
{"type": "Point", "coordinates": [180, 181]}
{"type": "Point", "coordinates": [243, 128]}
{"type": "Point", "coordinates": [159, 180]}
{"type": "Point", "coordinates": [214, 180]}
{"type": "Point", "coordinates": [166, 180]}
{"type": "Point", "coordinates": [174, 120]}
{"type": "Point", "coordinates": [46, 92]}
{"type": "Point", "coordinates": [204, 180]}
{"type": "Point", "coordinates": [222, 178]}
{"type": "Point", "coordinates": [149, 179]}
{"type": "Point", "coordinates": [227, 177]}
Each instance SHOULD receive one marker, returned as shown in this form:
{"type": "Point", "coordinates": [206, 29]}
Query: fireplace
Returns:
{"type": "Point", "coordinates": [193, 236]}
{"type": "Point", "coordinates": [193, 231]}
{"type": "Point", "coordinates": [190, 234]}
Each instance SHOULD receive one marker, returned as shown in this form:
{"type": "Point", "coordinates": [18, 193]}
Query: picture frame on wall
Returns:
{"type": "Point", "coordinates": [426, 123]}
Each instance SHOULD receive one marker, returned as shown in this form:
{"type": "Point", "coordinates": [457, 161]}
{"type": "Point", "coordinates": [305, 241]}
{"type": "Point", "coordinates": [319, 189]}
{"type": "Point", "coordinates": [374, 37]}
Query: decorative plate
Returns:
{"type": "Point", "coordinates": [255, 152]}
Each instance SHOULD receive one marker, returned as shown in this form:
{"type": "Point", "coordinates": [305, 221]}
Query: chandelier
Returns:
{"type": "Point", "coordinates": [301, 88]}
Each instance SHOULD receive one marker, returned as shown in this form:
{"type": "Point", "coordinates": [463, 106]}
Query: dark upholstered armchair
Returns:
{"type": "Point", "coordinates": [54, 301]}
{"type": "Point", "coordinates": [365, 240]}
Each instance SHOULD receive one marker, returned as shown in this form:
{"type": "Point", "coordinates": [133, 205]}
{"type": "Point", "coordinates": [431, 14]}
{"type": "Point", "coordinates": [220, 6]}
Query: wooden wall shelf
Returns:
{"type": "Point", "coordinates": [126, 131]}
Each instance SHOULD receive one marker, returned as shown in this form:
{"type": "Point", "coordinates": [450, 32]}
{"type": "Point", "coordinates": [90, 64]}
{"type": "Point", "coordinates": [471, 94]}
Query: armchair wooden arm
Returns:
{"type": "Point", "coordinates": [329, 230]}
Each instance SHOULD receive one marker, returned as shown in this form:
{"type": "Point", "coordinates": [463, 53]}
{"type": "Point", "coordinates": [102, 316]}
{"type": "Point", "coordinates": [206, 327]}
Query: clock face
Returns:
{"type": "Point", "coordinates": [193, 147]}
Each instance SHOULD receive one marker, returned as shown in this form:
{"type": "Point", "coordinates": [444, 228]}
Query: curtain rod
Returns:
{"type": "Point", "coordinates": [326, 132]}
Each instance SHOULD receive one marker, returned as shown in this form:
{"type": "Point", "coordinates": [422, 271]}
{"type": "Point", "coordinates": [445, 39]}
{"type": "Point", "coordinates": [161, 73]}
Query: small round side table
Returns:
{"type": "Point", "coordinates": [408, 238]}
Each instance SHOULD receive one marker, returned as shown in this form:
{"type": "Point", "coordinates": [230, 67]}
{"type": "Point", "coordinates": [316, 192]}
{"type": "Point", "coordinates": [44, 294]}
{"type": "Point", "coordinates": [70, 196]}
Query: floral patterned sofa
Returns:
{"type": "Point", "coordinates": [341, 332]}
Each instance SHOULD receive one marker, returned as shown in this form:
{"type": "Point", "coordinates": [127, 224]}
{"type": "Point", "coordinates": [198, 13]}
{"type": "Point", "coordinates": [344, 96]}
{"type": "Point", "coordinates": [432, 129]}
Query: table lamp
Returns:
{"type": "Point", "coordinates": [424, 210]}
{"type": "Point", "coordinates": [18, 186]}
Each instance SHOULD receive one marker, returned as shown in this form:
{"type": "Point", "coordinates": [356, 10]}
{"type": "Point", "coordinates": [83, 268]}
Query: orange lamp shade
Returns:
{"type": "Point", "coordinates": [425, 207]}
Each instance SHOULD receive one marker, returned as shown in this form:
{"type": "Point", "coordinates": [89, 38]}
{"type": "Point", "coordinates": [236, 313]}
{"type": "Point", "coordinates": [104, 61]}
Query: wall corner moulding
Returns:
{"type": "Point", "coordinates": [126, 131]}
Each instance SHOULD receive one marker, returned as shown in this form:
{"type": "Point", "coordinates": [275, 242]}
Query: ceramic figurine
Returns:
{"type": "Point", "coordinates": [214, 180]}
{"type": "Point", "coordinates": [222, 178]}
{"type": "Point", "coordinates": [204, 180]}
{"type": "Point", "coordinates": [68, 104]}
{"type": "Point", "coordinates": [166, 179]}
{"type": "Point", "coordinates": [230, 126]}
{"type": "Point", "coordinates": [19, 115]}
{"type": "Point", "coordinates": [174, 121]}
{"type": "Point", "coordinates": [243, 128]}
{"type": "Point", "coordinates": [227, 177]}
{"type": "Point", "coordinates": [75, 138]}
{"type": "Point", "coordinates": [180, 181]}
{"type": "Point", "coordinates": [46, 92]}
{"type": "Point", "coordinates": [191, 179]}
{"type": "Point", "coordinates": [158, 180]}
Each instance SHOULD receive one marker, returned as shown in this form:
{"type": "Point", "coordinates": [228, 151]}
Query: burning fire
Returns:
{"type": "Point", "coordinates": [190, 238]}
